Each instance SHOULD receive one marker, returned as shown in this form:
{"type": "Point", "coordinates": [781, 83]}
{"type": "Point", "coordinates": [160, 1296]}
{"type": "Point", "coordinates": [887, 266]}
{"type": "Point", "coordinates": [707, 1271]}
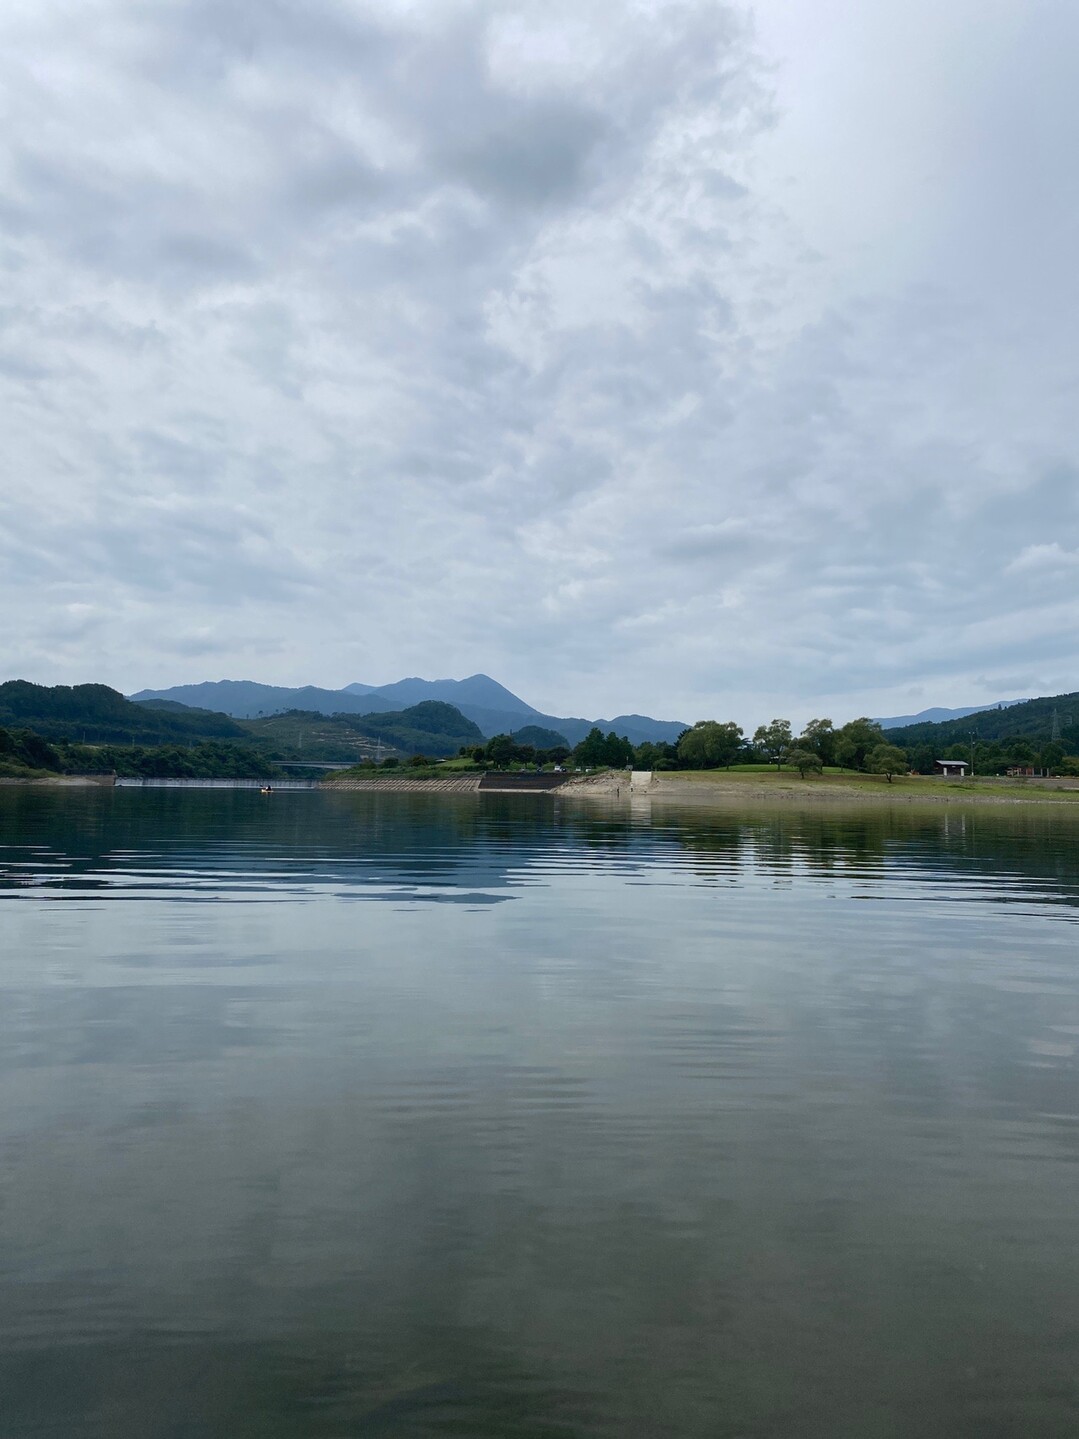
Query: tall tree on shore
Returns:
{"type": "Point", "coordinates": [819, 737]}
{"type": "Point", "coordinates": [710, 744]}
{"type": "Point", "coordinates": [500, 750]}
{"type": "Point", "coordinates": [774, 740]}
{"type": "Point", "coordinates": [599, 749]}
{"type": "Point", "coordinates": [855, 740]}
{"type": "Point", "coordinates": [804, 760]}
{"type": "Point", "coordinates": [888, 760]}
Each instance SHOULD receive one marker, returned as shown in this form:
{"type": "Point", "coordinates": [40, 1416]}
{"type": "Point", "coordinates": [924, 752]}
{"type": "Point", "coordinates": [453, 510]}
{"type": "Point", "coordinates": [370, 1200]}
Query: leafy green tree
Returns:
{"type": "Point", "coordinates": [886, 759]}
{"type": "Point", "coordinates": [597, 749]}
{"type": "Point", "coordinates": [804, 760]}
{"type": "Point", "coordinates": [855, 740]}
{"type": "Point", "coordinates": [419, 760]}
{"type": "Point", "coordinates": [617, 750]}
{"type": "Point", "coordinates": [989, 758]}
{"type": "Point", "coordinates": [710, 744]}
{"type": "Point", "coordinates": [35, 751]}
{"type": "Point", "coordinates": [656, 755]}
{"type": "Point", "coordinates": [1051, 756]}
{"type": "Point", "coordinates": [819, 737]}
{"type": "Point", "coordinates": [921, 758]}
{"type": "Point", "coordinates": [731, 742]}
{"type": "Point", "coordinates": [773, 740]}
{"type": "Point", "coordinates": [590, 752]}
{"type": "Point", "coordinates": [558, 755]}
{"type": "Point", "coordinates": [500, 750]}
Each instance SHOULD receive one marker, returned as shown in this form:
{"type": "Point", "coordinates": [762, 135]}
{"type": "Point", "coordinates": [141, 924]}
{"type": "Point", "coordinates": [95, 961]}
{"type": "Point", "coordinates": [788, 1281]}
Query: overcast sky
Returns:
{"type": "Point", "coordinates": [693, 359]}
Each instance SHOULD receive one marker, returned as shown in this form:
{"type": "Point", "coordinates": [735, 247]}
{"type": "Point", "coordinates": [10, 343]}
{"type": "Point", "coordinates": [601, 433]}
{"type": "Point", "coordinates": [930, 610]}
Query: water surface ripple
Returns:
{"type": "Point", "coordinates": [334, 1115]}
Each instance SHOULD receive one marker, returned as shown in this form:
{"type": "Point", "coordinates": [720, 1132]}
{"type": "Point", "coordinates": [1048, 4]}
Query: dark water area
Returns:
{"type": "Point", "coordinates": [359, 1114]}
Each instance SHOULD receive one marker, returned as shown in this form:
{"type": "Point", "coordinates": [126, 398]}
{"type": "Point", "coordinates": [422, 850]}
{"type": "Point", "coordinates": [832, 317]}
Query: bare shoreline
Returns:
{"type": "Point", "coordinates": [787, 789]}
{"type": "Point", "coordinates": [719, 789]}
{"type": "Point", "coordinates": [62, 781]}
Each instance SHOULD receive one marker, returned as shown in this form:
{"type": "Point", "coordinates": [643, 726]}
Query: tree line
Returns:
{"type": "Point", "coordinates": [860, 745]}
{"type": "Point", "coordinates": [24, 752]}
{"type": "Point", "coordinates": [998, 756]}
{"type": "Point", "coordinates": [711, 744]}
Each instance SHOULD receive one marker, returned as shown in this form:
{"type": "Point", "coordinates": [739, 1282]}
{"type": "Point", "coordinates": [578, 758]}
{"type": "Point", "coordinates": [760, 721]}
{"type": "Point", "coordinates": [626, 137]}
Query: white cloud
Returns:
{"type": "Point", "coordinates": [586, 344]}
{"type": "Point", "coordinates": [1051, 556]}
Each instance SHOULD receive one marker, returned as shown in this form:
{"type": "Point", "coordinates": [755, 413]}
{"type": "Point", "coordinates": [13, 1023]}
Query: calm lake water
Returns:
{"type": "Point", "coordinates": [354, 1115]}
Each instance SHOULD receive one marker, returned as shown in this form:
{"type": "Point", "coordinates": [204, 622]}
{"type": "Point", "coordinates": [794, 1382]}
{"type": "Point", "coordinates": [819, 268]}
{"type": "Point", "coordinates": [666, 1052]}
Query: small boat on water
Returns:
{"type": "Point", "coordinates": [266, 789]}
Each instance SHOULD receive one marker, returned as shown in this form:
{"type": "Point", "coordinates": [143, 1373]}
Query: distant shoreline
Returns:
{"type": "Point", "coordinates": [722, 787]}
{"type": "Point", "coordinates": [701, 789]}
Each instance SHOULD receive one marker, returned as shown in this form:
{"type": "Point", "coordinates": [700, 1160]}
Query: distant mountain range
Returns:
{"type": "Point", "coordinates": [477, 690]}
{"type": "Point", "coordinates": [382, 717]}
{"type": "Point", "coordinates": [940, 716]}
{"type": "Point", "coordinates": [495, 709]}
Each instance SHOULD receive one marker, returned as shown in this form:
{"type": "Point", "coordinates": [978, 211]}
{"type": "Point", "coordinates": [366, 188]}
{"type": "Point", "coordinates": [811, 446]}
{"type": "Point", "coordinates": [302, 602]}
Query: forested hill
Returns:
{"type": "Point", "coordinates": [1033, 720]}
{"type": "Point", "coordinates": [431, 728]}
{"type": "Point", "coordinates": [95, 714]}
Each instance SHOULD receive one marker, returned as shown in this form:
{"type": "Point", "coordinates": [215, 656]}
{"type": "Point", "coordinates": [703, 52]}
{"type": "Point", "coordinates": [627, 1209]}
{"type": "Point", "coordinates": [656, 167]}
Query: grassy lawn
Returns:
{"type": "Point", "coordinates": [768, 774]}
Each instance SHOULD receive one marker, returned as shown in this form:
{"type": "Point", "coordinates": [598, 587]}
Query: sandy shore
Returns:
{"type": "Point", "coordinates": [720, 787]}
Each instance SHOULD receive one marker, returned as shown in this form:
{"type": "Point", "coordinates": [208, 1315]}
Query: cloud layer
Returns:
{"type": "Point", "coordinates": [656, 356]}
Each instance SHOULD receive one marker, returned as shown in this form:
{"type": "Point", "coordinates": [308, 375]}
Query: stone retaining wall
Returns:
{"type": "Point", "coordinates": [457, 784]}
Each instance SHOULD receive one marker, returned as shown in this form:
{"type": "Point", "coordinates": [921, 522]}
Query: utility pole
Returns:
{"type": "Point", "coordinates": [972, 737]}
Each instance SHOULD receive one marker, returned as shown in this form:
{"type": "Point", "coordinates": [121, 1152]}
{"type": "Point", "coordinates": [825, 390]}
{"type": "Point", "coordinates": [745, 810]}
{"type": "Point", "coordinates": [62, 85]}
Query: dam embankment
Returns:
{"type": "Point", "coordinates": [488, 783]}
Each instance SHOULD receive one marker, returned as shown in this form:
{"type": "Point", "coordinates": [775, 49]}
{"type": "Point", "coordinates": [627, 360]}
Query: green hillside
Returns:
{"type": "Point", "coordinates": [25, 755]}
{"type": "Point", "coordinates": [540, 738]}
{"type": "Point", "coordinates": [1033, 720]}
{"type": "Point", "coordinates": [96, 714]}
{"type": "Point", "coordinates": [316, 738]}
{"type": "Point", "coordinates": [93, 729]}
{"type": "Point", "coordinates": [433, 728]}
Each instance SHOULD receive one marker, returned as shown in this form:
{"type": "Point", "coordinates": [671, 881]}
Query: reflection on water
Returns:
{"type": "Point", "coordinates": [414, 1115]}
